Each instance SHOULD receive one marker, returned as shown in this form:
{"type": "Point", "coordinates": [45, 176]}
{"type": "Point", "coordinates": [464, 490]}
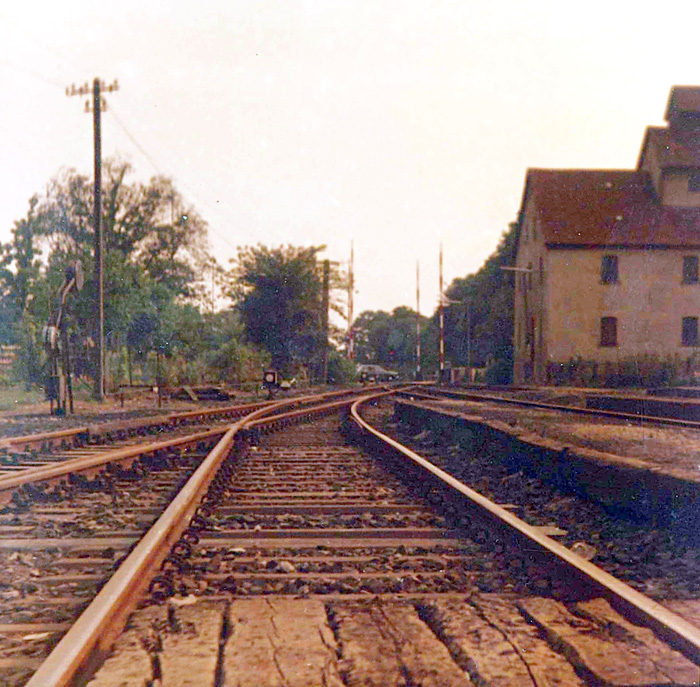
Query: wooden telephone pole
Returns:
{"type": "Point", "coordinates": [441, 318]}
{"type": "Point", "coordinates": [97, 106]}
{"type": "Point", "coordinates": [419, 373]}
{"type": "Point", "coordinates": [324, 320]}
{"type": "Point", "coordinates": [351, 299]}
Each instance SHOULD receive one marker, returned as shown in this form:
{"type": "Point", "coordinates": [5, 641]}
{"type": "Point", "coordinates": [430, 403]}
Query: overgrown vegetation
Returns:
{"type": "Point", "coordinates": [160, 321]}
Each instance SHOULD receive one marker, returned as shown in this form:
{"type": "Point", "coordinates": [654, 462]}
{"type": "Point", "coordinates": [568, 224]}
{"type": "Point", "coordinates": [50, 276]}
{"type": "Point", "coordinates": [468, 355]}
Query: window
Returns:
{"type": "Point", "coordinates": [608, 331]}
{"type": "Point", "coordinates": [608, 269]}
{"type": "Point", "coordinates": [690, 269]}
{"type": "Point", "coordinates": [694, 181]}
{"type": "Point", "coordinates": [689, 333]}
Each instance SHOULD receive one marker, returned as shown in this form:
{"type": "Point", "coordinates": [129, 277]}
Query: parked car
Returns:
{"type": "Point", "coordinates": [376, 373]}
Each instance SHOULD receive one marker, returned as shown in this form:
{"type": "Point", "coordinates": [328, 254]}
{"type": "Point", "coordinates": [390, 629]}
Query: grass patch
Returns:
{"type": "Point", "coordinates": [13, 395]}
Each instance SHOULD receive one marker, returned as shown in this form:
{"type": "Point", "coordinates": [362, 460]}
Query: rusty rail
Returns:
{"type": "Point", "coordinates": [591, 412]}
{"type": "Point", "coordinates": [57, 472]}
{"type": "Point", "coordinates": [676, 630]}
{"type": "Point", "coordinates": [90, 638]}
{"type": "Point", "coordinates": [46, 440]}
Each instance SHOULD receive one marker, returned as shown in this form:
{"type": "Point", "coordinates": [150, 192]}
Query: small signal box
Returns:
{"type": "Point", "coordinates": [270, 378]}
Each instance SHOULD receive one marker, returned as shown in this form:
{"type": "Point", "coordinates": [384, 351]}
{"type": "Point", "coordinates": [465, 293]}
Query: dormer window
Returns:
{"type": "Point", "coordinates": [694, 182]}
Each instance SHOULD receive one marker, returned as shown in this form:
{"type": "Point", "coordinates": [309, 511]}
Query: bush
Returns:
{"type": "Point", "coordinates": [340, 369]}
{"type": "Point", "coordinates": [501, 372]}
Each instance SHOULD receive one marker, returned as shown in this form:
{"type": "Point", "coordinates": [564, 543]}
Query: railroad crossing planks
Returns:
{"type": "Point", "coordinates": [167, 645]}
{"type": "Point", "coordinates": [487, 639]}
{"type": "Point", "coordinates": [608, 647]}
{"type": "Point", "coordinates": [280, 643]}
{"type": "Point", "coordinates": [504, 653]}
{"type": "Point", "coordinates": [388, 644]}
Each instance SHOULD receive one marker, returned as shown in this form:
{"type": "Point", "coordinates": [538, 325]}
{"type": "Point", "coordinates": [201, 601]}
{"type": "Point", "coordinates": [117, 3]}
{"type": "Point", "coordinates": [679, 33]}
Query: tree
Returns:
{"type": "Point", "coordinates": [155, 250]}
{"type": "Point", "coordinates": [389, 339]}
{"type": "Point", "coordinates": [479, 324]}
{"type": "Point", "coordinates": [279, 294]}
{"type": "Point", "coordinates": [230, 357]}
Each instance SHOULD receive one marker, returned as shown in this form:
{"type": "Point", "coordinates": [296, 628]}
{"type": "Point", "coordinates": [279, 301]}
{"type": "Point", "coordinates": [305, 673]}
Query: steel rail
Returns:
{"type": "Point", "coordinates": [44, 439]}
{"type": "Point", "coordinates": [52, 473]}
{"type": "Point", "coordinates": [91, 636]}
{"type": "Point", "coordinates": [49, 473]}
{"type": "Point", "coordinates": [175, 419]}
{"type": "Point", "coordinates": [649, 419]}
{"type": "Point", "coordinates": [682, 634]}
{"type": "Point", "coordinates": [27, 440]}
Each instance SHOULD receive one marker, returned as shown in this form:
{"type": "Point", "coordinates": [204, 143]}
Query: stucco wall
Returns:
{"type": "Point", "coordinates": [675, 190]}
{"type": "Point", "coordinates": [649, 303]}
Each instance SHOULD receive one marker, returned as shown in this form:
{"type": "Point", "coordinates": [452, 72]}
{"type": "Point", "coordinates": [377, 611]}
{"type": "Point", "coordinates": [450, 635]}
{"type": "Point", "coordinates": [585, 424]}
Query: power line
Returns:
{"type": "Point", "coordinates": [188, 190]}
{"type": "Point", "coordinates": [28, 72]}
{"type": "Point", "coordinates": [139, 147]}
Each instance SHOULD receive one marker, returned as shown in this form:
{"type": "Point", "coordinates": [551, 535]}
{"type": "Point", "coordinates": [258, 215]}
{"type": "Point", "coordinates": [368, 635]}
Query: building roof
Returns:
{"type": "Point", "coordinates": [683, 101]}
{"type": "Point", "coordinates": [673, 148]}
{"type": "Point", "coordinates": [590, 208]}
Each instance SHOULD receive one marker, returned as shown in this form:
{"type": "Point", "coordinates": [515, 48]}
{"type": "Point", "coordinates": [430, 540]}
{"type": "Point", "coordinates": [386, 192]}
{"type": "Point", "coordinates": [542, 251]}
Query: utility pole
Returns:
{"type": "Point", "coordinates": [419, 374]}
{"type": "Point", "coordinates": [351, 295]}
{"type": "Point", "coordinates": [441, 309]}
{"type": "Point", "coordinates": [97, 106]}
{"type": "Point", "coordinates": [469, 340]}
{"type": "Point", "coordinates": [324, 320]}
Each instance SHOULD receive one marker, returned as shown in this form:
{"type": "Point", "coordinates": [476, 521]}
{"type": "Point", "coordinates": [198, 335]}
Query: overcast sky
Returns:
{"type": "Point", "coordinates": [393, 124]}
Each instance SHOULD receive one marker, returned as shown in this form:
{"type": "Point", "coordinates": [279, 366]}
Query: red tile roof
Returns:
{"type": "Point", "coordinates": [674, 148]}
{"type": "Point", "coordinates": [586, 208]}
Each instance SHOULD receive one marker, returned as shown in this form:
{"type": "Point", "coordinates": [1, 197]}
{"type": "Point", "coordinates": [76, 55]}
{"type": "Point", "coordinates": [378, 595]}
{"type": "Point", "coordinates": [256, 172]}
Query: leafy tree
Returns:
{"type": "Point", "coordinates": [340, 369]}
{"type": "Point", "coordinates": [231, 357]}
{"type": "Point", "coordinates": [389, 339]}
{"type": "Point", "coordinates": [16, 285]}
{"type": "Point", "coordinates": [155, 248]}
{"type": "Point", "coordinates": [279, 295]}
{"type": "Point", "coordinates": [479, 322]}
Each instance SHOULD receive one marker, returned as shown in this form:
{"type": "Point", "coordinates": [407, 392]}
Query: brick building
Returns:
{"type": "Point", "coordinates": [607, 279]}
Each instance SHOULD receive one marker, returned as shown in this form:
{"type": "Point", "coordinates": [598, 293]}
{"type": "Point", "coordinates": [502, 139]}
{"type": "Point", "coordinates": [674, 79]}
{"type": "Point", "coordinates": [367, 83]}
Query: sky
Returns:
{"type": "Point", "coordinates": [396, 126]}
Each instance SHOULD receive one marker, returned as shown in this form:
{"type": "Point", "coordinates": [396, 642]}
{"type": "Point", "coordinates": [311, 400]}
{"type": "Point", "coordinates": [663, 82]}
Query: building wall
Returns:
{"type": "Point", "coordinates": [530, 323]}
{"type": "Point", "coordinates": [675, 190]}
{"type": "Point", "coordinates": [649, 302]}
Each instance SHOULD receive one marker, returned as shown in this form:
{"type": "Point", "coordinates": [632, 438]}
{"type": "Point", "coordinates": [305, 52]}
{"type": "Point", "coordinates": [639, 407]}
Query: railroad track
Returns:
{"type": "Point", "coordinates": [67, 523]}
{"type": "Point", "coordinates": [426, 392]}
{"type": "Point", "coordinates": [303, 562]}
{"type": "Point", "coordinates": [41, 449]}
{"type": "Point", "coordinates": [38, 457]}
